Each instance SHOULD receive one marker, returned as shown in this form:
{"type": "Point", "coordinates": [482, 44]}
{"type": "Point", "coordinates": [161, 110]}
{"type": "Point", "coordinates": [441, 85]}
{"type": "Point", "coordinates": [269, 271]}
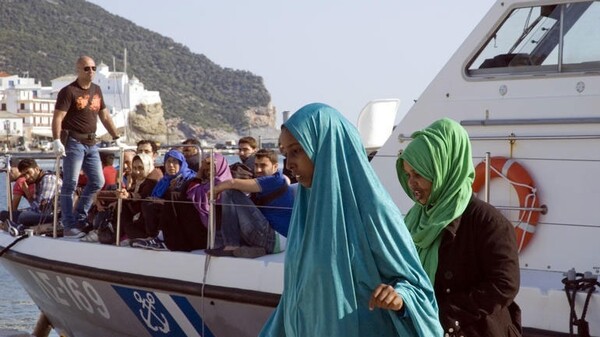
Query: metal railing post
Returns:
{"type": "Point", "coordinates": [211, 212]}
{"type": "Point", "coordinates": [56, 197]}
{"type": "Point", "coordinates": [486, 185]}
{"type": "Point", "coordinates": [119, 199]}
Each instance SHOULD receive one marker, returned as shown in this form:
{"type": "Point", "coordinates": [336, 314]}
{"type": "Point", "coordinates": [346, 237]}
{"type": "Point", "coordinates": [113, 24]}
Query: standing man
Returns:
{"type": "Point", "coordinates": [78, 107]}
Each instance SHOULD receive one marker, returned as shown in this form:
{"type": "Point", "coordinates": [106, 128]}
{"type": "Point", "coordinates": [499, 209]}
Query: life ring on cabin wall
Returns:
{"type": "Point", "coordinates": [523, 184]}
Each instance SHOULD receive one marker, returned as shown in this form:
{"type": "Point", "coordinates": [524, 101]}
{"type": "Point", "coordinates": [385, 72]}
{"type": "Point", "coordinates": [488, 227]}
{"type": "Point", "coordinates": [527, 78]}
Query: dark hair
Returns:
{"type": "Point", "coordinates": [190, 141]}
{"type": "Point", "coordinates": [14, 162]}
{"type": "Point", "coordinates": [148, 141]}
{"type": "Point", "coordinates": [270, 154]}
{"type": "Point", "coordinates": [248, 140]}
{"type": "Point", "coordinates": [107, 158]}
{"type": "Point", "coordinates": [27, 163]}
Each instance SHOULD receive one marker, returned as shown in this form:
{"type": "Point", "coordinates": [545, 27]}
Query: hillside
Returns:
{"type": "Point", "coordinates": [44, 37]}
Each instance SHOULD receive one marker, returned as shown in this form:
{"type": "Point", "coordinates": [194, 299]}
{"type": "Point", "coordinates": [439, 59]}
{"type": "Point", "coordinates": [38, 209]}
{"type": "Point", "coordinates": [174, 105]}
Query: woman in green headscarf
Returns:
{"type": "Point", "coordinates": [467, 247]}
{"type": "Point", "coordinates": [351, 268]}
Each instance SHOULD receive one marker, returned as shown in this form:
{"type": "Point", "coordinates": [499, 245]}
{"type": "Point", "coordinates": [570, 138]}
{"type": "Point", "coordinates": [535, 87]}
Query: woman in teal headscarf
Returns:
{"type": "Point", "coordinates": [467, 247]}
{"type": "Point", "coordinates": [351, 268]}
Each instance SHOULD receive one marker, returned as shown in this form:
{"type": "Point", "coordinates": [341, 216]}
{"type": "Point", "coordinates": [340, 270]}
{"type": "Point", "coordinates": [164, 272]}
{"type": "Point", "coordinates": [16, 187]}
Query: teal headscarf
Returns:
{"type": "Point", "coordinates": [346, 237]}
{"type": "Point", "coordinates": [440, 153]}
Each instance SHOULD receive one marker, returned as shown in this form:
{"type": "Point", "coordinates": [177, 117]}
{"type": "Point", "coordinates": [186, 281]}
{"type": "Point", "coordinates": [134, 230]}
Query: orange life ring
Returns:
{"type": "Point", "coordinates": [520, 179]}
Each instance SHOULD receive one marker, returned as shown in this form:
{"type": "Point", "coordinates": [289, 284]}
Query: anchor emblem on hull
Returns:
{"type": "Point", "coordinates": [152, 320]}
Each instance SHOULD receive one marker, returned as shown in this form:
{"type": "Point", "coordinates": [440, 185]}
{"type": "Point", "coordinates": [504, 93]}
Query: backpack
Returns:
{"type": "Point", "coordinates": [106, 231]}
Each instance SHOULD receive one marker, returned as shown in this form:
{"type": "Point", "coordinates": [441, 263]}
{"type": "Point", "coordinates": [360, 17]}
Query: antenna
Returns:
{"type": "Point", "coordinates": [114, 66]}
{"type": "Point", "coordinates": [125, 61]}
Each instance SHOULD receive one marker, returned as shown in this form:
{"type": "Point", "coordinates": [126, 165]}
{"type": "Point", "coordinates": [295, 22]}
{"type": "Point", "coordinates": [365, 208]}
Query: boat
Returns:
{"type": "Point", "coordinates": [110, 290]}
{"type": "Point", "coordinates": [526, 86]}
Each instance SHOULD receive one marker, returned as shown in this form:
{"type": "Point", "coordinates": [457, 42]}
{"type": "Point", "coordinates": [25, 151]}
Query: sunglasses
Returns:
{"type": "Point", "coordinates": [89, 68]}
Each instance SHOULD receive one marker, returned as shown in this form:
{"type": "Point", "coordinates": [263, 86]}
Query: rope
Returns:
{"type": "Point", "coordinates": [22, 237]}
{"type": "Point", "coordinates": [531, 196]}
{"type": "Point", "coordinates": [533, 189]}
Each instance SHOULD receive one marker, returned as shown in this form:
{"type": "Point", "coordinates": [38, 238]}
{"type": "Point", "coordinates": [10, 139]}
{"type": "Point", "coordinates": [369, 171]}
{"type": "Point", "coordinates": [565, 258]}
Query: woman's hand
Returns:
{"type": "Point", "coordinates": [385, 297]}
{"type": "Point", "coordinates": [123, 193]}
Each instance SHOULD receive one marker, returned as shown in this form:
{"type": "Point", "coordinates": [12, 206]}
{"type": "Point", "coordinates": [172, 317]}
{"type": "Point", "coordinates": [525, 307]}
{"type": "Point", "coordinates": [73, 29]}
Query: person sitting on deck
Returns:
{"type": "Point", "coordinates": [42, 204]}
{"type": "Point", "coordinates": [244, 169]}
{"type": "Point", "coordinates": [150, 148]}
{"type": "Point", "coordinates": [247, 147]}
{"type": "Point", "coordinates": [102, 210]}
{"type": "Point", "coordinates": [256, 225]}
{"type": "Point", "coordinates": [132, 220]}
{"type": "Point", "coordinates": [20, 189]}
{"type": "Point", "coordinates": [127, 158]}
{"type": "Point", "coordinates": [183, 232]}
{"type": "Point", "coordinates": [170, 189]}
{"type": "Point", "coordinates": [109, 172]}
{"type": "Point", "coordinates": [192, 153]}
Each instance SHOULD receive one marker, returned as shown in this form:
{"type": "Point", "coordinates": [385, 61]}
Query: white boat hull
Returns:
{"type": "Point", "coordinates": [102, 290]}
{"type": "Point", "coordinates": [547, 119]}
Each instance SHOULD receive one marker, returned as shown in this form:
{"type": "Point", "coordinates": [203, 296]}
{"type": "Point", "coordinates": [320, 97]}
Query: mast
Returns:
{"type": "Point", "coordinates": [126, 116]}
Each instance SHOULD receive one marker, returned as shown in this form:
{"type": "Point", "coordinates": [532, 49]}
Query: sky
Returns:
{"type": "Point", "coordinates": [342, 53]}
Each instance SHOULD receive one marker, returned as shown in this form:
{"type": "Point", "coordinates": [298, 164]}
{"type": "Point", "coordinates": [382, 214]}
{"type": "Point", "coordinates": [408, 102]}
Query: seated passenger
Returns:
{"type": "Point", "coordinates": [183, 231]}
{"type": "Point", "coordinates": [244, 169]}
{"type": "Point", "coordinates": [150, 147]}
{"type": "Point", "coordinates": [101, 212]}
{"type": "Point", "coordinates": [247, 147]}
{"type": "Point", "coordinates": [20, 189]}
{"type": "Point", "coordinates": [165, 195]}
{"type": "Point", "coordinates": [132, 220]}
{"type": "Point", "coordinates": [42, 205]}
{"type": "Point", "coordinates": [192, 153]}
{"type": "Point", "coordinates": [109, 171]}
{"type": "Point", "coordinates": [127, 158]}
{"type": "Point", "coordinates": [247, 232]}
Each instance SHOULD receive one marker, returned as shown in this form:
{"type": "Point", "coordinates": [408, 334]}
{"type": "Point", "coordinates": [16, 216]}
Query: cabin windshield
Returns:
{"type": "Point", "coordinates": [549, 39]}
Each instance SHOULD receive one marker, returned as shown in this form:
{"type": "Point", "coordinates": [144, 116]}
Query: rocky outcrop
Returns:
{"type": "Point", "coordinates": [261, 117]}
{"type": "Point", "coordinates": [148, 122]}
{"type": "Point", "coordinates": [148, 119]}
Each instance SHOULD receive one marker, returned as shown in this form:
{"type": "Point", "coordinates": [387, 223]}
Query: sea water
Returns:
{"type": "Point", "coordinates": [17, 310]}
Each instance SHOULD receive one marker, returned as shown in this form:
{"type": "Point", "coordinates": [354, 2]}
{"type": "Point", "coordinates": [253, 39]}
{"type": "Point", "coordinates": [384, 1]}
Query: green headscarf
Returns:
{"type": "Point", "coordinates": [440, 153]}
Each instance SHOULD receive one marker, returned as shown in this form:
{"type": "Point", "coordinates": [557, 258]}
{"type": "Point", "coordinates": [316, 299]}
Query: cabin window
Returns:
{"type": "Point", "coordinates": [543, 39]}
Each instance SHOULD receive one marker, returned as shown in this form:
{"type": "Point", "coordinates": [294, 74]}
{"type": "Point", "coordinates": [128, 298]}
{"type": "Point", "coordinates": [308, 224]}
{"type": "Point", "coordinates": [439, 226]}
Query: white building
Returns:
{"type": "Point", "coordinates": [29, 106]}
{"type": "Point", "coordinates": [25, 107]}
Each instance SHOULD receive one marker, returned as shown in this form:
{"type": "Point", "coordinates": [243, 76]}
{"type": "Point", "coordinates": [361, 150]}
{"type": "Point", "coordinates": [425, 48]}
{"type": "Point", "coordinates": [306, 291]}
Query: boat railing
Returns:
{"type": "Point", "coordinates": [513, 137]}
{"type": "Point", "coordinates": [202, 152]}
{"type": "Point", "coordinates": [543, 209]}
